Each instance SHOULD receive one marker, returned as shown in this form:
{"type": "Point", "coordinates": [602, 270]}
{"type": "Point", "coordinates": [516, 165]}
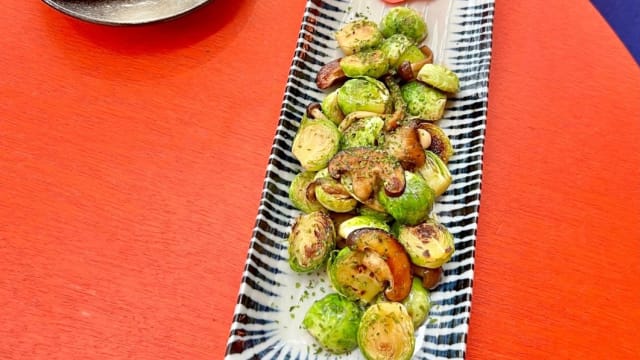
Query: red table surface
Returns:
{"type": "Point", "coordinates": [132, 163]}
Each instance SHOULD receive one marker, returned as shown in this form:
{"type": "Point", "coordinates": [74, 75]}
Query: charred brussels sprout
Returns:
{"type": "Point", "coordinates": [332, 195]}
{"type": "Point", "coordinates": [372, 63]}
{"type": "Point", "coordinates": [429, 244]}
{"type": "Point", "coordinates": [358, 35]}
{"type": "Point", "coordinates": [359, 222]}
{"type": "Point", "coordinates": [418, 303]}
{"type": "Point", "coordinates": [439, 142]}
{"type": "Point", "coordinates": [439, 77]}
{"type": "Point", "coordinates": [312, 238]}
{"type": "Point", "coordinates": [363, 132]}
{"type": "Point", "coordinates": [363, 94]}
{"type": "Point", "coordinates": [406, 21]}
{"type": "Point", "coordinates": [386, 332]}
{"type": "Point", "coordinates": [393, 48]}
{"type": "Point", "coordinates": [333, 321]}
{"type": "Point", "coordinates": [424, 101]}
{"type": "Point", "coordinates": [315, 143]}
{"type": "Point", "coordinates": [302, 193]}
{"type": "Point", "coordinates": [358, 275]}
{"type": "Point", "coordinates": [435, 173]}
{"type": "Point", "coordinates": [413, 205]}
{"type": "Point", "coordinates": [330, 108]}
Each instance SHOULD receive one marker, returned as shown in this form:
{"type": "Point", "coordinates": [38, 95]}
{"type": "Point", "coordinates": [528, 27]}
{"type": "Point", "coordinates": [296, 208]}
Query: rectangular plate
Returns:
{"type": "Point", "coordinates": [273, 299]}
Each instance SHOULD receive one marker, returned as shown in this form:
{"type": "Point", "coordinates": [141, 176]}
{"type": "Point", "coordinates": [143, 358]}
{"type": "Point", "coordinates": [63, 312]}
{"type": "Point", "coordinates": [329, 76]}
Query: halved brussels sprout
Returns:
{"type": "Point", "coordinates": [360, 222]}
{"type": "Point", "coordinates": [363, 132]}
{"type": "Point", "coordinates": [331, 194]}
{"type": "Point", "coordinates": [412, 54]}
{"type": "Point", "coordinates": [331, 109]}
{"type": "Point", "coordinates": [418, 303]}
{"type": "Point", "coordinates": [393, 48]}
{"type": "Point", "coordinates": [406, 21]}
{"type": "Point", "coordinates": [358, 35]}
{"type": "Point", "coordinates": [373, 63]}
{"type": "Point", "coordinates": [424, 101]}
{"type": "Point", "coordinates": [363, 94]}
{"type": "Point", "coordinates": [436, 173]}
{"type": "Point", "coordinates": [364, 210]}
{"type": "Point", "coordinates": [413, 205]}
{"type": "Point", "coordinates": [333, 321]}
{"type": "Point", "coordinates": [312, 238]}
{"type": "Point", "coordinates": [429, 244]}
{"type": "Point", "coordinates": [439, 77]}
{"type": "Point", "coordinates": [386, 332]}
{"type": "Point", "coordinates": [315, 143]}
{"type": "Point", "coordinates": [386, 246]}
{"type": "Point", "coordinates": [302, 193]}
{"type": "Point", "coordinates": [357, 275]}
{"type": "Point", "coordinates": [439, 142]}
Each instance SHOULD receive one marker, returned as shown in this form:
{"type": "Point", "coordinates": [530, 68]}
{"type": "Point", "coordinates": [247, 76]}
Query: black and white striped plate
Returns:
{"type": "Point", "coordinates": [273, 299]}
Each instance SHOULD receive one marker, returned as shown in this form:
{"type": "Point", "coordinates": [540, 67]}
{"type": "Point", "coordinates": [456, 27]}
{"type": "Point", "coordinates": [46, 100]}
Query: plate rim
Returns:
{"type": "Point", "coordinates": [55, 4]}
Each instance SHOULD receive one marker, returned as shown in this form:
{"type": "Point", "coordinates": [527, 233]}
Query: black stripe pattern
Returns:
{"type": "Point", "coordinates": [273, 300]}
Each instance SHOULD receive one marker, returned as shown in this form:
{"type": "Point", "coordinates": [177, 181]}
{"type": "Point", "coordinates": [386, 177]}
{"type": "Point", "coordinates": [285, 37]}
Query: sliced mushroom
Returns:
{"type": "Point", "coordinates": [330, 74]}
{"type": "Point", "coordinates": [314, 111]}
{"type": "Point", "coordinates": [404, 144]}
{"type": "Point", "coordinates": [430, 277]}
{"type": "Point", "coordinates": [366, 168]}
{"type": "Point", "coordinates": [386, 246]}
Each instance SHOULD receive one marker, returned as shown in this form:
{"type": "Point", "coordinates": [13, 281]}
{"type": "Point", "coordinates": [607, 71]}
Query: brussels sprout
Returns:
{"type": "Point", "coordinates": [417, 303]}
{"type": "Point", "coordinates": [413, 54]}
{"type": "Point", "coordinates": [363, 132]}
{"type": "Point", "coordinates": [436, 173]}
{"type": "Point", "coordinates": [406, 21]}
{"type": "Point", "coordinates": [333, 195]}
{"type": "Point", "coordinates": [357, 275]}
{"type": "Point", "coordinates": [439, 142]}
{"type": "Point", "coordinates": [393, 48]}
{"type": "Point", "coordinates": [386, 332]}
{"type": "Point", "coordinates": [371, 212]}
{"type": "Point", "coordinates": [302, 193]}
{"type": "Point", "coordinates": [424, 101]}
{"type": "Point", "coordinates": [312, 238]}
{"type": "Point", "coordinates": [359, 222]}
{"type": "Point", "coordinates": [414, 205]}
{"type": "Point", "coordinates": [331, 109]}
{"type": "Point", "coordinates": [386, 246]}
{"type": "Point", "coordinates": [373, 63]}
{"type": "Point", "coordinates": [315, 143]}
{"type": "Point", "coordinates": [439, 77]}
{"type": "Point", "coordinates": [363, 94]}
{"type": "Point", "coordinates": [429, 244]}
{"type": "Point", "coordinates": [333, 321]}
{"type": "Point", "coordinates": [358, 35]}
